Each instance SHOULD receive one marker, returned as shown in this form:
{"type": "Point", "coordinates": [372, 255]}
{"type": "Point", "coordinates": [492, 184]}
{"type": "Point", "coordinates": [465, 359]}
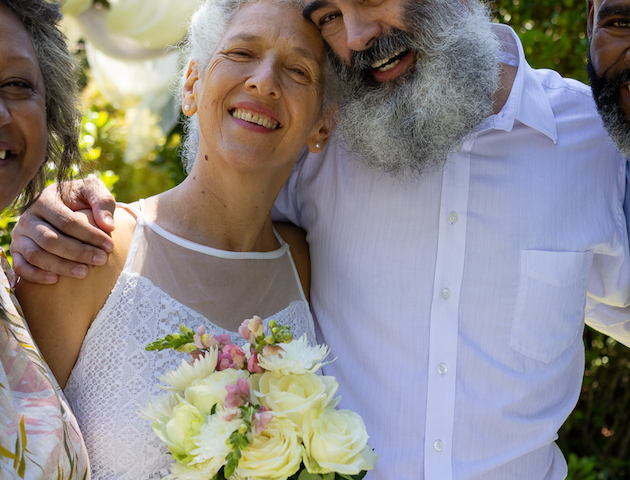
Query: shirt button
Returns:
{"type": "Point", "coordinates": [442, 369]}
{"type": "Point", "coordinates": [452, 217]}
{"type": "Point", "coordinates": [445, 293]}
{"type": "Point", "coordinates": [438, 445]}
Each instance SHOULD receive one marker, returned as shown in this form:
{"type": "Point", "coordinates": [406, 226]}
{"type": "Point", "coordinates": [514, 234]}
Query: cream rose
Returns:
{"type": "Point", "coordinates": [296, 395]}
{"type": "Point", "coordinates": [336, 441]}
{"type": "Point", "coordinates": [178, 430]}
{"type": "Point", "coordinates": [204, 393]}
{"type": "Point", "coordinates": [275, 454]}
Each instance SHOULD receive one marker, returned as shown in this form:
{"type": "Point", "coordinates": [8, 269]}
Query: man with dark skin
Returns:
{"type": "Point", "coordinates": [454, 289]}
{"type": "Point", "coordinates": [609, 66]}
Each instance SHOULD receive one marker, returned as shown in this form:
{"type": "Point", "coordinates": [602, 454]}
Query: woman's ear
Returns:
{"type": "Point", "coordinates": [189, 102]}
{"type": "Point", "coordinates": [323, 128]}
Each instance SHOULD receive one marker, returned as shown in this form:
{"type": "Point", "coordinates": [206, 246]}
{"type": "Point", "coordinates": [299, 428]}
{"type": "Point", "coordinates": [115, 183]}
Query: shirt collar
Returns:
{"type": "Point", "coordinates": [527, 102]}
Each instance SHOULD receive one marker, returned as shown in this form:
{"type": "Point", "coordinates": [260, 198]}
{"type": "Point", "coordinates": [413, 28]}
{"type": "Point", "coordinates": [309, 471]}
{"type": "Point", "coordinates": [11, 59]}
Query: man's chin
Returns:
{"type": "Point", "coordinates": [612, 98]}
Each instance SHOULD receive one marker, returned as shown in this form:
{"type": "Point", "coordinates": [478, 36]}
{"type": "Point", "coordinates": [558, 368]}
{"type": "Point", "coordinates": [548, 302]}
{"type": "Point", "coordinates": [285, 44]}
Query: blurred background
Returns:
{"type": "Point", "coordinates": [131, 135]}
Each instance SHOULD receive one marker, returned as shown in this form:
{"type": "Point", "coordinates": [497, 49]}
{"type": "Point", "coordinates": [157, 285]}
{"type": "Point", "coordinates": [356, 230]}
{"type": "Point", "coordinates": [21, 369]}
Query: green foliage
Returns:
{"type": "Point", "coordinates": [103, 140]}
{"type": "Point", "coordinates": [553, 32]}
{"type": "Point", "coordinates": [177, 341]}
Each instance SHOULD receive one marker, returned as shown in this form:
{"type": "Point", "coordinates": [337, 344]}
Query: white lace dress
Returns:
{"type": "Point", "coordinates": [167, 281]}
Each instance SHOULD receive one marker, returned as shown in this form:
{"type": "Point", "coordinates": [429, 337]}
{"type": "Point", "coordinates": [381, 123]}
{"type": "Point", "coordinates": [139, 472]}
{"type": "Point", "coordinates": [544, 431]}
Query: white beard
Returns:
{"type": "Point", "coordinates": [408, 125]}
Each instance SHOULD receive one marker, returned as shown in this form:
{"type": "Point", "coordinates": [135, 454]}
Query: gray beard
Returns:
{"type": "Point", "coordinates": [607, 98]}
{"type": "Point", "coordinates": [407, 126]}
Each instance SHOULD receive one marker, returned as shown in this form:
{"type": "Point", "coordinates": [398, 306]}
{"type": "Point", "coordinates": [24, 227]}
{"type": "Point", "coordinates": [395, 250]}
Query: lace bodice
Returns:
{"type": "Point", "coordinates": [114, 373]}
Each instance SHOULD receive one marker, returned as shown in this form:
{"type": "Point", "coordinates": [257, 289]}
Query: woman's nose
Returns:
{"type": "Point", "coordinates": [265, 78]}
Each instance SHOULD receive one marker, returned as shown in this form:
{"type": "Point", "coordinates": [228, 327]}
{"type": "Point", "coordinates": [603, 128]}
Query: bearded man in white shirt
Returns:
{"type": "Point", "coordinates": [453, 287]}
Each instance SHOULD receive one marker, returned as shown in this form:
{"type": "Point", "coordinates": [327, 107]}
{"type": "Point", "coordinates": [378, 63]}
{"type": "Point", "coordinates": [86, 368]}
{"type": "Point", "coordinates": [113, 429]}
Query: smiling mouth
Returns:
{"type": "Point", "coordinates": [4, 154]}
{"type": "Point", "coordinates": [390, 62]}
{"type": "Point", "coordinates": [255, 118]}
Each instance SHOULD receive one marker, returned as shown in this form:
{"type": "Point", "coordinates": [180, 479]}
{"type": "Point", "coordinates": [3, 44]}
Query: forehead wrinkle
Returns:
{"type": "Point", "coordinates": [249, 37]}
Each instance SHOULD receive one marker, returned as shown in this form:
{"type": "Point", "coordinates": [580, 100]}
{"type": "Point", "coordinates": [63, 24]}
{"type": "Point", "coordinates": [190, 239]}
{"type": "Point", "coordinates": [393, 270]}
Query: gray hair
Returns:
{"type": "Point", "coordinates": [63, 118]}
{"type": "Point", "coordinates": [206, 29]}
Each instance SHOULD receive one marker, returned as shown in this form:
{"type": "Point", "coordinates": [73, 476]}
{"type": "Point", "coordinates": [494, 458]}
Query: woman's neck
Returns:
{"type": "Point", "coordinates": [222, 208]}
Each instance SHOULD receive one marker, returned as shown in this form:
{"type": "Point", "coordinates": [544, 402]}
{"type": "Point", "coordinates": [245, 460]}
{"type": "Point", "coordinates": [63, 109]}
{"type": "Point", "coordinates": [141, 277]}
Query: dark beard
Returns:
{"type": "Point", "coordinates": [408, 125]}
{"type": "Point", "coordinates": [606, 93]}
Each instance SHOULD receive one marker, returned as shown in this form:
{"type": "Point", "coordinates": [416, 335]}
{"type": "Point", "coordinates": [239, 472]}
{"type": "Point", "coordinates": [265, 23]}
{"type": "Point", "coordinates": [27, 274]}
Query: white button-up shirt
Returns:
{"type": "Point", "coordinates": [456, 303]}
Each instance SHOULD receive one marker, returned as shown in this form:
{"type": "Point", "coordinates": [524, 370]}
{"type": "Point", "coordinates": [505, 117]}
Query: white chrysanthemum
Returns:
{"type": "Point", "coordinates": [298, 357]}
{"type": "Point", "coordinates": [180, 471]}
{"type": "Point", "coordinates": [179, 379]}
{"type": "Point", "coordinates": [159, 407]}
{"type": "Point", "coordinates": [212, 441]}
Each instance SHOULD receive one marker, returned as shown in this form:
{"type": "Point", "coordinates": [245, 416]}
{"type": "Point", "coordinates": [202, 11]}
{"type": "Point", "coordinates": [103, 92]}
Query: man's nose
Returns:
{"type": "Point", "coordinates": [361, 30]}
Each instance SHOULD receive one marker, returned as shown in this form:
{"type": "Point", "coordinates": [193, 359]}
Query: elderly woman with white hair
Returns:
{"type": "Point", "coordinates": [205, 252]}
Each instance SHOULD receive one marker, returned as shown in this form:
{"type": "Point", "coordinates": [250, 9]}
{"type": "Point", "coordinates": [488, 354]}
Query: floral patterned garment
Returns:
{"type": "Point", "coordinates": [39, 436]}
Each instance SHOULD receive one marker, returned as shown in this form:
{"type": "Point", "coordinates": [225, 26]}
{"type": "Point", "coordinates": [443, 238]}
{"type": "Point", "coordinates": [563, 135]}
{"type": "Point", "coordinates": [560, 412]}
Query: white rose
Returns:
{"type": "Point", "coordinates": [296, 395]}
{"type": "Point", "coordinates": [204, 393]}
{"type": "Point", "coordinates": [275, 454]}
{"type": "Point", "coordinates": [336, 441]}
{"type": "Point", "coordinates": [178, 430]}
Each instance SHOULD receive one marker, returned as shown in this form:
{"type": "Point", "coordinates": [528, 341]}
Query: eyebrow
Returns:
{"type": "Point", "coordinates": [248, 37]}
{"type": "Point", "coordinates": [612, 10]}
{"type": "Point", "coordinates": [313, 7]}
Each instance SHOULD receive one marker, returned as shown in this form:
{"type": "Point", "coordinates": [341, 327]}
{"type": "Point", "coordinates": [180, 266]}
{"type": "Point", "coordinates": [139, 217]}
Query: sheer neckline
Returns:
{"type": "Point", "coordinates": [190, 245]}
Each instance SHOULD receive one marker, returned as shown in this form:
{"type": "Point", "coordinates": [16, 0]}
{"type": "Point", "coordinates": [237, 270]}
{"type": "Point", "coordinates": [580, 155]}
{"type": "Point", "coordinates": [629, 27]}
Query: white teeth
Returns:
{"type": "Point", "coordinates": [389, 66]}
{"type": "Point", "coordinates": [378, 63]}
{"type": "Point", "coordinates": [3, 154]}
{"type": "Point", "coordinates": [255, 118]}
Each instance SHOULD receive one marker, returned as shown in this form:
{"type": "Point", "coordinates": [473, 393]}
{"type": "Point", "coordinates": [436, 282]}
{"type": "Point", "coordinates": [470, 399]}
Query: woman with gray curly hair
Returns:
{"type": "Point", "coordinates": [205, 252]}
{"type": "Point", "coordinates": [39, 125]}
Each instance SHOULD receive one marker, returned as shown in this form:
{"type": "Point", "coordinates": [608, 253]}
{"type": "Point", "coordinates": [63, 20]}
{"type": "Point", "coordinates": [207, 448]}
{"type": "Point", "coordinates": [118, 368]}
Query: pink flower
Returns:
{"type": "Point", "coordinates": [261, 420]}
{"type": "Point", "coordinates": [237, 354]}
{"type": "Point", "coordinates": [238, 394]}
{"type": "Point", "coordinates": [252, 363]}
{"type": "Point", "coordinates": [197, 354]}
{"type": "Point", "coordinates": [251, 329]}
{"type": "Point", "coordinates": [224, 361]}
{"type": "Point", "coordinates": [204, 340]}
{"type": "Point", "coordinates": [269, 350]}
{"type": "Point", "coordinates": [224, 339]}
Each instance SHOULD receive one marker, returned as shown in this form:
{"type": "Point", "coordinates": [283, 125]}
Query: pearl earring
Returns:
{"type": "Point", "coordinates": [186, 107]}
{"type": "Point", "coordinates": [317, 145]}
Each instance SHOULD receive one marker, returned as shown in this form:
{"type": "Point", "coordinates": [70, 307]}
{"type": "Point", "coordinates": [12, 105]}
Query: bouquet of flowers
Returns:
{"type": "Point", "coordinates": [255, 412]}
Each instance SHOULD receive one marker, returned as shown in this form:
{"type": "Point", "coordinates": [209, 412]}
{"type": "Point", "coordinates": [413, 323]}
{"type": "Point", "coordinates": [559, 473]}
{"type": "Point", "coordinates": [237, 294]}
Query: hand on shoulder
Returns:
{"type": "Point", "coordinates": [60, 315]}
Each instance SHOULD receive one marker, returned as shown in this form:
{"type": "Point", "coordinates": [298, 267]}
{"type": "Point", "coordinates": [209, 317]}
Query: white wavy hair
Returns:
{"type": "Point", "coordinates": [207, 27]}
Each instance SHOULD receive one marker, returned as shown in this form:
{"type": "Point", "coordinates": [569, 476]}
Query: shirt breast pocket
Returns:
{"type": "Point", "coordinates": [550, 303]}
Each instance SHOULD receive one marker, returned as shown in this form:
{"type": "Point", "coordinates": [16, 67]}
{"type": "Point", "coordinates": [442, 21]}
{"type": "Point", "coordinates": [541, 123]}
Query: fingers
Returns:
{"type": "Point", "coordinates": [50, 210]}
{"type": "Point", "coordinates": [101, 201]}
{"type": "Point", "coordinates": [37, 243]}
{"type": "Point", "coordinates": [31, 273]}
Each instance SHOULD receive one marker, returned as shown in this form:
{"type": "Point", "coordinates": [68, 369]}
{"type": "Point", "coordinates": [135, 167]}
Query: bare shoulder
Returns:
{"type": "Point", "coordinates": [59, 315]}
{"type": "Point", "coordinates": [296, 238]}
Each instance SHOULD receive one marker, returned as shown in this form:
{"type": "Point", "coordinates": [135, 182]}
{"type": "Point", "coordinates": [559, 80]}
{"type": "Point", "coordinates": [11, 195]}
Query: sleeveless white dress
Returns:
{"type": "Point", "coordinates": [167, 281]}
